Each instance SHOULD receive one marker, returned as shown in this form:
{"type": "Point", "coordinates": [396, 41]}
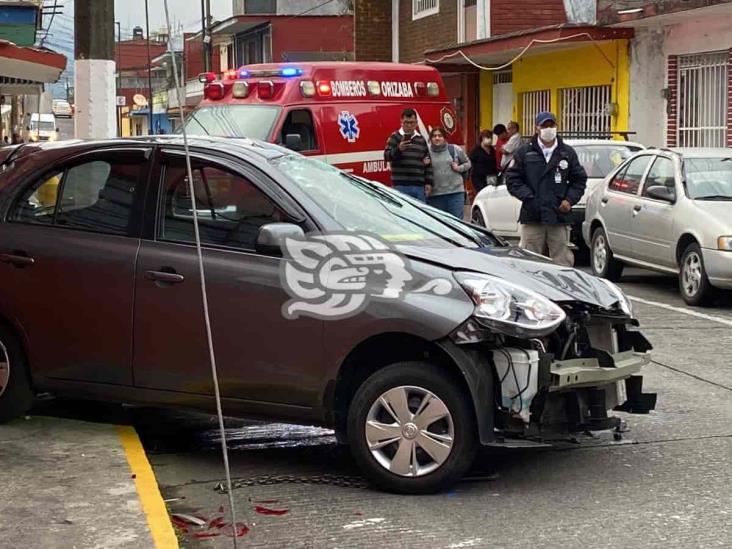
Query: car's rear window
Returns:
{"type": "Point", "coordinates": [599, 160]}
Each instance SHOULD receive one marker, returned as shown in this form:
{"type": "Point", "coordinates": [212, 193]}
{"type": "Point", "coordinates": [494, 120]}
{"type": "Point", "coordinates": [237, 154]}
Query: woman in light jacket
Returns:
{"type": "Point", "coordinates": [449, 164]}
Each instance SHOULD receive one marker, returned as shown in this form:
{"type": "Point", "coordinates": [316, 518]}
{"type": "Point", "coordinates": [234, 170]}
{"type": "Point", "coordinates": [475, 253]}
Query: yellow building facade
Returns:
{"type": "Point", "coordinates": [577, 83]}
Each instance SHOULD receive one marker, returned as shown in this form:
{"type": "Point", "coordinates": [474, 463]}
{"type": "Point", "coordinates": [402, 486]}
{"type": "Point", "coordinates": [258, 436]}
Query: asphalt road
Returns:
{"type": "Point", "coordinates": [665, 484]}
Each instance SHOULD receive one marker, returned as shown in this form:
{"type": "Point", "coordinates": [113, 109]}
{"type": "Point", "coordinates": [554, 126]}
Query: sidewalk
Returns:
{"type": "Point", "coordinates": [69, 484]}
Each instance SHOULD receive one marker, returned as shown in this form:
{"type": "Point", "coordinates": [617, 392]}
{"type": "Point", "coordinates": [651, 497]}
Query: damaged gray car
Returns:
{"type": "Point", "coordinates": [333, 301]}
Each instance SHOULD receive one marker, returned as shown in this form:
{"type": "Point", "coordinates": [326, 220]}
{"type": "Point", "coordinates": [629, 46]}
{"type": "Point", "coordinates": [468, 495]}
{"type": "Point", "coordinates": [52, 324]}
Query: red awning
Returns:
{"type": "Point", "coordinates": [504, 48]}
{"type": "Point", "coordinates": [33, 64]}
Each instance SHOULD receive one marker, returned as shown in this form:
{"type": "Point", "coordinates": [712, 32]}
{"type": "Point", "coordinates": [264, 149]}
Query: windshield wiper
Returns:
{"type": "Point", "coordinates": [713, 197]}
{"type": "Point", "coordinates": [13, 155]}
{"type": "Point", "coordinates": [373, 187]}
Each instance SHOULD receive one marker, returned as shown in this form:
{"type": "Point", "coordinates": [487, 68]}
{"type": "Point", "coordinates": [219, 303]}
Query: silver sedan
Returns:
{"type": "Point", "coordinates": [670, 211]}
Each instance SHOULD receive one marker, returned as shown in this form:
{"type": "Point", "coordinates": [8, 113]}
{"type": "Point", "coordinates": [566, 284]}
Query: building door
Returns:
{"type": "Point", "coordinates": [502, 97]}
{"type": "Point", "coordinates": [702, 100]}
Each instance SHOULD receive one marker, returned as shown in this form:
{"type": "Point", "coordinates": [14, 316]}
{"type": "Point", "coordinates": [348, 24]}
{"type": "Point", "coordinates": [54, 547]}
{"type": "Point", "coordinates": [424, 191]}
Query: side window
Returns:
{"type": "Point", "coordinates": [97, 195]}
{"type": "Point", "coordinates": [38, 203]}
{"type": "Point", "coordinates": [662, 173]}
{"type": "Point", "coordinates": [629, 180]}
{"type": "Point", "coordinates": [230, 208]}
{"type": "Point", "coordinates": [300, 122]}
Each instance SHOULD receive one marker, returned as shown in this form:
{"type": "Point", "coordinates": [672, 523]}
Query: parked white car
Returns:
{"type": "Point", "coordinates": [670, 211]}
{"type": "Point", "coordinates": [62, 108]}
{"type": "Point", "coordinates": [497, 210]}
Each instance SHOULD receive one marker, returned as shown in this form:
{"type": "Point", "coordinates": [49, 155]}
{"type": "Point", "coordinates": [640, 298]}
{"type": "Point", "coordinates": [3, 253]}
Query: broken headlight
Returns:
{"type": "Point", "coordinates": [510, 309]}
{"type": "Point", "coordinates": [623, 302]}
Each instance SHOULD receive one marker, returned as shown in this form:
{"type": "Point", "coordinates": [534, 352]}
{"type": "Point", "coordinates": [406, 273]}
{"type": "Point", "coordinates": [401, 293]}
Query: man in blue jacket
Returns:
{"type": "Point", "coordinates": [547, 177]}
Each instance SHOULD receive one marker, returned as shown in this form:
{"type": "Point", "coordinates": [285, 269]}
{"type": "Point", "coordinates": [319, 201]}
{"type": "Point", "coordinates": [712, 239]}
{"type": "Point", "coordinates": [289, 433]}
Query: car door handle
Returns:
{"type": "Point", "coordinates": [17, 260]}
{"type": "Point", "coordinates": [604, 200]}
{"type": "Point", "coordinates": [636, 210]}
{"type": "Point", "coordinates": [161, 276]}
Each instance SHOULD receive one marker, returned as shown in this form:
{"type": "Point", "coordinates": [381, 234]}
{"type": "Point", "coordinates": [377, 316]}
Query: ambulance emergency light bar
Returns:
{"type": "Point", "coordinates": [216, 89]}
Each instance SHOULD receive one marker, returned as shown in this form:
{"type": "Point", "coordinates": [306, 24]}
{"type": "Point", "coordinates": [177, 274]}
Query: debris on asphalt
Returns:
{"type": "Point", "coordinates": [267, 511]}
{"type": "Point", "coordinates": [189, 519]}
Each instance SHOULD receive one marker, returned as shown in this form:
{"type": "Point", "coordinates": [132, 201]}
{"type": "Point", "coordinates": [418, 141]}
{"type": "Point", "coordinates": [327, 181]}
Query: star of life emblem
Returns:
{"type": "Point", "coordinates": [348, 126]}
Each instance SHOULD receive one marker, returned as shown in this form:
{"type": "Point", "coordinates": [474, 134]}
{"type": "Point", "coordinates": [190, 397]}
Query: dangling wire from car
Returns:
{"type": "Point", "coordinates": [204, 295]}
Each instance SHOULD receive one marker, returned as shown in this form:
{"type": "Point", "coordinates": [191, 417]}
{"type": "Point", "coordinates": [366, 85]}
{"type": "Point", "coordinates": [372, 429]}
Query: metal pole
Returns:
{"type": "Point", "coordinates": [209, 44]}
{"type": "Point", "coordinates": [204, 28]}
{"type": "Point", "coordinates": [149, 72]}
{"type": "Point", "coordinates": [118, 109]}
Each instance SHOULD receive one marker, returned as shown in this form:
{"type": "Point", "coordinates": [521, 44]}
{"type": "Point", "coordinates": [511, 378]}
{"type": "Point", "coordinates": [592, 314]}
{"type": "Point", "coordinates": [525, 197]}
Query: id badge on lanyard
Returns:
{"type": "Point", "coordinates": [558, 177]}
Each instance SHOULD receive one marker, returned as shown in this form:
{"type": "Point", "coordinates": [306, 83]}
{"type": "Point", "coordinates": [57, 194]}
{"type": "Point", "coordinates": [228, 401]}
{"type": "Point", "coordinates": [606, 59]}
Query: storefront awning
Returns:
{"type": "Point", "coordinates": [29, 66]}
{"type": "Point", "coordinates": [502, 49]}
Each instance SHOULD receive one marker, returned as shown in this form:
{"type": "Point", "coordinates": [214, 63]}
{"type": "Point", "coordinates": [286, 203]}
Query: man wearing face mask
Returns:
{"type": "Point", "coordinates": [548, 179]}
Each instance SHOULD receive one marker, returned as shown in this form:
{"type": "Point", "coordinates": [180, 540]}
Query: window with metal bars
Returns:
{"type": "Point", "coordinates": [585, 111]}
{"type": "Point", "coordinates": [532, 103]}
{"type": "Point", "coordinates": [423, 8]}
{"type": "Point", "coordinates": [702, 100]}
{"type": "Point", "coordinates": [503, 77]}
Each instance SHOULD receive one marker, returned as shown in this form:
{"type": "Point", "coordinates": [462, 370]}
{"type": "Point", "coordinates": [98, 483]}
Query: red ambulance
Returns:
{"type": "Point", "coordinates": [342, 113]}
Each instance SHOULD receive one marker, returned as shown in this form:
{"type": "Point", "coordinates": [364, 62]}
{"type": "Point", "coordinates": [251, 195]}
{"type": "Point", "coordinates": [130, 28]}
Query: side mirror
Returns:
{"type": "Point", "coordinates": [293, 141]}
{"type": "Point", "coordinates": [661, 192]}
{"type": "Point", "coordinates": [271, 237]}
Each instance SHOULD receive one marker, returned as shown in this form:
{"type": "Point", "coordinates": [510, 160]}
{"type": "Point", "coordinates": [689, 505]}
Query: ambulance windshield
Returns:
{"type": "Point", "coordinates": [253, 121]}
{"type": "Point", "coordinates": [360, 205]}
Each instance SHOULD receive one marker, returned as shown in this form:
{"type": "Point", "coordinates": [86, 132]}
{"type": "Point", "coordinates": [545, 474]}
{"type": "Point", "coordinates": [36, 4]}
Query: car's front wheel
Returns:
{"type": "Point", "coordinates": [411, 429]}
{"type": "Point", "coordinates": [602, 261]}
{"type": "Point", "coordinates": [693, 281]}
{"type": "Point", "coordinates": [16, 395]}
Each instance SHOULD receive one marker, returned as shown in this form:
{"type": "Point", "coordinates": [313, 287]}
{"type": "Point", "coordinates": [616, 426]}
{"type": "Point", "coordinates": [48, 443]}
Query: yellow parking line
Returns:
{"type": "Point", "coordinates": [147, 488]}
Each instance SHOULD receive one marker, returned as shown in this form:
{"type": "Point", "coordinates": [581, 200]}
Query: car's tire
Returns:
{"type": "Point", "coordinates": [452, 440]}
{"type": "Point", "coordinates": [602, 261]}
{"type": "Point", "coordinates": [477, 217]}
{"type": "Point", "coordinates": [693, 281]}
{"type": "Point", "coordinates": [16, 395]}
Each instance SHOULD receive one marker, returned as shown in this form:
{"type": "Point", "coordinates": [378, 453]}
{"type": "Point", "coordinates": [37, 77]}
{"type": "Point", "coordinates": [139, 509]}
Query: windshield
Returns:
{"type": "Point", "coordinates": [599, 160]}
{"type": "Point", "coordinates": [253, 121]}
{"type": "Point", "coordinates": [709, 178]}
{"type": "Point", "coordinates": [360, 205]}
{"type": "Point", "coordinates": [43, 126]}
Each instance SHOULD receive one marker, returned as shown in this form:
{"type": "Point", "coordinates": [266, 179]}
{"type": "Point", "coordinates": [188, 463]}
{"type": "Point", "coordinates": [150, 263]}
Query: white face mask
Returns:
{"type": "Point", "coordinates": [548, 134]}
{"type": "Point", "coordinates": [486, 142]}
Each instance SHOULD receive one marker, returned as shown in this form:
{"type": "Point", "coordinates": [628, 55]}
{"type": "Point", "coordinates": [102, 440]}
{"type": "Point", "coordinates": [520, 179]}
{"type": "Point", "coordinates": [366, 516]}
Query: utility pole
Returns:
{"type": "Point", "coordinates": [149, 74]}
{"type": "Point", "coordinates": [94, 88]}
{"type": "Point", "coordinates": [209, 44]}
{"type": "Point", "coordinates": [118, 84]}
{"type": "Point", "coordinates": [205, 37]}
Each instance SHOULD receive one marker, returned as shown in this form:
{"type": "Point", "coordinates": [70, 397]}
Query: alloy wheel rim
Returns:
{"type": "Point", "coordinates": [4, 368]}
{"type": "Point", "coordinates": [599, 257]}
{"type": "Point", "coordinates": [410, 431]}
{"type": "Point", "coordinates": [692, 274]}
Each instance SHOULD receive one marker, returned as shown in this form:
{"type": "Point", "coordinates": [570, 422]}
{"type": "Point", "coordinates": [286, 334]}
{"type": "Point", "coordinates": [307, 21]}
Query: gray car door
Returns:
{"type": "Point", "coordinates": [618, 203]}
{"type": "Point", "coordinates": [68, 247]}
{"type": "Point", "coordinates": [262, 357]}
{"type": "Point", "coordinates": [653, 218]}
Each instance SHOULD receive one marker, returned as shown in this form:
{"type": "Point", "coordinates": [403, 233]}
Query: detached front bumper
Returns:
{"type": "Point", "coordinates": [587, 372]}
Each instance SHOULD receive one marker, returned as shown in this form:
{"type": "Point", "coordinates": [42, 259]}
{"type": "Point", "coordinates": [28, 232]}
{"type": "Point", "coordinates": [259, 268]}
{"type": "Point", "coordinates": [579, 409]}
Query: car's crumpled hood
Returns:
{"type": "Point", "coordinates": [529, 270]}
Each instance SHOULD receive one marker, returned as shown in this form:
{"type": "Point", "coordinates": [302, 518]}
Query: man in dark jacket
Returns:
{"type": "Point", "coordinates": [547, 177]}
{"type": "Point", "coordinates": [409, 156]}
